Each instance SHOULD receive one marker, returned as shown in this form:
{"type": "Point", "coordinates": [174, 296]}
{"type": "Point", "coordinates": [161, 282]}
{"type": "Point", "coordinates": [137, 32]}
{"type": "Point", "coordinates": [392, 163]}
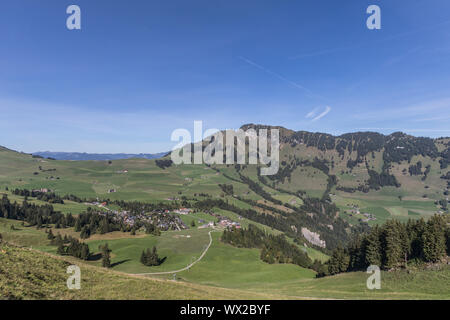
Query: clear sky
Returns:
{"type": "Point", "coordinates": [140, 69]}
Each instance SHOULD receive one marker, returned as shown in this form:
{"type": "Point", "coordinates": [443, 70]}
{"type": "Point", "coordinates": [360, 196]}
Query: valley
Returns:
{"type": "Point", "coordinates": [328, 189]}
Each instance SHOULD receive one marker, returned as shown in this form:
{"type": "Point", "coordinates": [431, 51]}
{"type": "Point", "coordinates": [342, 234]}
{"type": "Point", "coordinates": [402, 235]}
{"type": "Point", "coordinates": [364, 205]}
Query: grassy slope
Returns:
{"type": "Point", "coordinates": [418, 284]}
{"type": "Point", "coordinates": [28, 274]}
{"type": "Point", "coordinates": [387, 199]}
{"type": "Point", "coordinates": [175, 246]}
{"type": "Point", "coordinates": [144, 180]}
{"type": "Point", "coordinates": [227, 266]}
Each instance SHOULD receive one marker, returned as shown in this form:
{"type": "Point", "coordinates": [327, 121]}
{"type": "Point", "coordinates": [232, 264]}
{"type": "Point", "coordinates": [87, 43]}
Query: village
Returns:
{"type": "Point", "coordinates": [166, 220]}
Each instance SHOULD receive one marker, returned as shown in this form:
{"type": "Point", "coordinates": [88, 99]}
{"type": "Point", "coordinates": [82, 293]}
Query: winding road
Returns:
{"type": "Point", "coordinates": [185, 268]}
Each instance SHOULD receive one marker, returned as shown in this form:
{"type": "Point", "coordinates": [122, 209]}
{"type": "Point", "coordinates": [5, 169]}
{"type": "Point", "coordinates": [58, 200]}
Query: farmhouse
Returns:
{"type": "Point", "coordinates": [229, 224]}
{"type": "Point", "coordinates": [210, 224]}
{"type": "Point", "coordinates": [183, 211]}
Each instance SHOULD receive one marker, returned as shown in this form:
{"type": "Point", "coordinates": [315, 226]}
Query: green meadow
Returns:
{"type": "Point", "coordinates": [177, 248]}
{"type": "Point", "coordinates": [225, 271]}
{"type": "Point", "coordinates": [231, 267]}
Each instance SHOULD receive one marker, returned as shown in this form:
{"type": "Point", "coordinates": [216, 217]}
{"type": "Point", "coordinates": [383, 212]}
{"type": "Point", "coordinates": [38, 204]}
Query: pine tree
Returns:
{"type": "Point", "coordinates": [155, 259]}
{"type": "Point", "coordinates": [405, 242]}
{"type": "Point", "coordinates": [391, 245]}
{"type": "Point", "coordinates": [372, 247]}
{"type": "Point", "coordinates": [104, 226]}
{"type": "Point", "coordinates": [339, 261]}
{"type": "Point", "coordinates": [434, 242]}
{"type": "Point", "coordinates": [106, 257]}
{"type": "Point", "coordinates": [85, 254]}
{"type": "Point", "coordinates": [50, 235]}
{"type": "Point", "coordinates": [356, 253]}
{"type": "Point", "coordinates": [78, 226]}
{"type": "Point", "coordinates": [39, 223]}
{"type": "Point", "coordinates": [143, 258]}
{"type": "Point", "coordinates": [61, 249]}
{"type": "Point", "coordinates": [85, 232]}
{"type": "Point", "coordinates": [415, 230]}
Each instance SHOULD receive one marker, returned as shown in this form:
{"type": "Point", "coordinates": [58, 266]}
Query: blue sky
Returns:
{"type": "Point", "coordinates": [140, 69]}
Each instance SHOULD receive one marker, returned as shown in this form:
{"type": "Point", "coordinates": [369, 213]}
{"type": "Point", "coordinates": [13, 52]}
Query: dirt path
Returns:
{"type": "Point", "coordinates": [185, 268]}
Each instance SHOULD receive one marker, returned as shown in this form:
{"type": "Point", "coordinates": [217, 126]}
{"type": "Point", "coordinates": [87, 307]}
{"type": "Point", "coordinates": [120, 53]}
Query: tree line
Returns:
{"type": "Point", "coordinates": [394, 245]}
{"type": "Point", "coordinates": [49, 197]}
{"type": "Point", "coordinates": [35, 215]}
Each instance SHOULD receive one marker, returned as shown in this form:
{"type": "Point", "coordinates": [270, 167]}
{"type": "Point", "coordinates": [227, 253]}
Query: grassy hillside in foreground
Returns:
{"type": "Point", "coordinates": [29, 274]}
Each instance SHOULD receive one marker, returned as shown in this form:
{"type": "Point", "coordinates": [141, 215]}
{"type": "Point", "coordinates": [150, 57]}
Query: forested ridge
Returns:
{"type": "Point", "coordinates": [357, 149]}
{"type": "Point", "coordinates": [394, 245]}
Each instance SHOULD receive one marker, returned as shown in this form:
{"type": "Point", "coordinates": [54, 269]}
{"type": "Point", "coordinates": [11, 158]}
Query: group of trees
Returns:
{"type": "Point", "coordinates": [416, 170]}
{"type": "Point", "coordinates": [256, 187]}
{"type": "Point", "coordinates": [274, 249]}
{"type": "Point", "coordinates": [393, 245]}
{"type": "Point", "coordinates": [49, 197]}
{"type": "Point", "coordinates": [378, 180]}
{"type": "Point", "coordinates": [89, 223]}
{"type": "Point", "coordinates": [445, 155]}
{"type": "Point", "coordinates": [151, 228]}
{"type": "Point", "coordinates": [69, 246]}
{"type": "Point", "coordinates": [227, 188]}
{"type": "Point", "coordinates": [150, 257]}
{"type": "Point", "coordinates": [34, 215]}
{"type": "Point", "coordinates": [75, 248]}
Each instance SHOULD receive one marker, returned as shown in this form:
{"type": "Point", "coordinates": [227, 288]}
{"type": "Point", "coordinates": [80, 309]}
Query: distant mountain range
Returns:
{"type": "Point", "coordinates": [96, 156]}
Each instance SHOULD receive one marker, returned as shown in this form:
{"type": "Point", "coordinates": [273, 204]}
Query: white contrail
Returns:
{"type": "Point", "coordinates": [323, 114]}
{"type": "Point", "coordinates": [311, 113]}
{"type": "Point", "coordinates": [292, 83]}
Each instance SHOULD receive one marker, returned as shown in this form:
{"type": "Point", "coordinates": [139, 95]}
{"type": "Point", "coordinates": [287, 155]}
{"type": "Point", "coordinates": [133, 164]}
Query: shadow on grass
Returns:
{"type": "Point", "coordinates": [119, 262]}
{"type": "Point", "coordinates": [161, 261]}
{"type": "Point", "coordinates": [95, 257]}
